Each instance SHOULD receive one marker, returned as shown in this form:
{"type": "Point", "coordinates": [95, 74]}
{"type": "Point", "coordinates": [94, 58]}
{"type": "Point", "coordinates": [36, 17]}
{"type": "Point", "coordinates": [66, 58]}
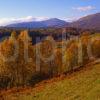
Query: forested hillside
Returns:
{"type": "Point", "coordinates": [24, 64]}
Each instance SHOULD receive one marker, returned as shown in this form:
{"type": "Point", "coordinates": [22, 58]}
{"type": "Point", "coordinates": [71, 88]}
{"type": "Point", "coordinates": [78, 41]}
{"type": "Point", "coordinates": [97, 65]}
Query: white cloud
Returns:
{"type": "Point", "coordinates": [6, 21]}
{"type": "Point", "coordinates": [84, 8]}
{"type": "Point", "coordinates": [70, 19]}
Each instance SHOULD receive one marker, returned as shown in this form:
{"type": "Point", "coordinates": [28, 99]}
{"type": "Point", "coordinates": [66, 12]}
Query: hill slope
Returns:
{"type": "Point", "coordinates": [53, 22]}
{"type": "Point", "coordinates": [90, 22]}
{"type": "Point", "coordinates": [81, 85]}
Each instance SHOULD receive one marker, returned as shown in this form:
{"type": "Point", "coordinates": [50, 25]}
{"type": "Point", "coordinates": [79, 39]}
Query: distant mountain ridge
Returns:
{"type": "Point", "coordinates": [89, 22]}
{"type": "Point", "coordinates": [53, 22]}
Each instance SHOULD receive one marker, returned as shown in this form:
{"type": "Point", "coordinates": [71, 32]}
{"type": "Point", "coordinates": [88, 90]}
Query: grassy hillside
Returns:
{"type": "Point", "coordinates": [83, 84]}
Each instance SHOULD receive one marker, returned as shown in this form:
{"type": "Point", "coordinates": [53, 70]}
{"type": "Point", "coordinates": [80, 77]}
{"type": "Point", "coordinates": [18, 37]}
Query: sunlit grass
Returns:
{"type": "Point", "coordinates": [82, 85]}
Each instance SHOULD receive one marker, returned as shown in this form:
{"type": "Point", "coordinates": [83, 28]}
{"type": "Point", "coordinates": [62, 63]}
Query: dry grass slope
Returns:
{"type": "Point", "coordinates": [80, 85]}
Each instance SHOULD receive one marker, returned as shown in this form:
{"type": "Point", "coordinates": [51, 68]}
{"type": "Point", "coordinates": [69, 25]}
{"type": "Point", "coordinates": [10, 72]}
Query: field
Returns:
{"type": "Point", "coordinates": [83, 84]}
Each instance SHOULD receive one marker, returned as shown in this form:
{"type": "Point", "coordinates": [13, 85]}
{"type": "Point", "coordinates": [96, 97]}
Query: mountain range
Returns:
{"type": "Point", "coordinates": [88, 22]}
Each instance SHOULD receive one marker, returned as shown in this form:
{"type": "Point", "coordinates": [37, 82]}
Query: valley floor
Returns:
{"type": "Point", "coordinates": [80, 85]}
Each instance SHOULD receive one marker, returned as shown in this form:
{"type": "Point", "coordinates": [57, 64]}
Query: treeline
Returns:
{"type": "Point", "coordinates": [22, 63]}
{"type": "Point", "coordinates": [56, 33]}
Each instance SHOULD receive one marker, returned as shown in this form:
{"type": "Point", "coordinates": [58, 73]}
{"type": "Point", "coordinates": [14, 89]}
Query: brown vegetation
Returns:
{"type": "Point", "coordinates": [19, 72]}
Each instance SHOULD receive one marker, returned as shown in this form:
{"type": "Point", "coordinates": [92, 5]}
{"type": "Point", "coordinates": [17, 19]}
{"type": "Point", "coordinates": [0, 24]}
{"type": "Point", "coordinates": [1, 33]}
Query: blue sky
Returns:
{"type": "Point", "coordinates": [68, 9]}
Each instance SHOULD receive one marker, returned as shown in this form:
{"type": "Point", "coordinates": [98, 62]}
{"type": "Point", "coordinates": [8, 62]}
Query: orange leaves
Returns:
{"type": "Point", "coordinates": [24, 36]}
{"type": "Point", "coordinates": [96, 48]}
{"type": "Point", "coordinates": [85, 39]}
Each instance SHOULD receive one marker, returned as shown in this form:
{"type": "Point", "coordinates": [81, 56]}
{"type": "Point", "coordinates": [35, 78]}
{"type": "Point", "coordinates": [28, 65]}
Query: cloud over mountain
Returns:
{"type": "Point", "coordinates": [6, 21]}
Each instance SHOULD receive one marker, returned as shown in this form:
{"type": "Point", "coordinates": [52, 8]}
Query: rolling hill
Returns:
{"type": "Point", "coordinates": [53, 22]}
{"type": "Point", "coordinates": [90, 22]}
